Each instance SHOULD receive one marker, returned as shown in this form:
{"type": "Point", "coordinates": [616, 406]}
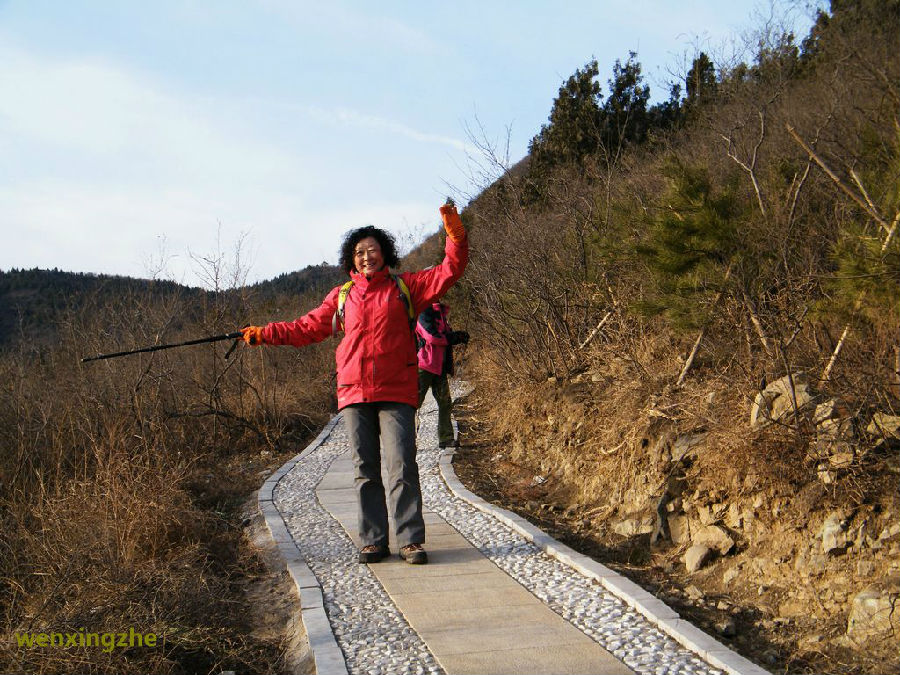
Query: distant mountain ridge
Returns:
{"type": "Point", "coordinates": [34, 299]}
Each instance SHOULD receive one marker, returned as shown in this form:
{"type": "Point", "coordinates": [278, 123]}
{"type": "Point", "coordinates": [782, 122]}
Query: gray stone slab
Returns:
{"type": "Point", "coordinates": [441, 563]}
{"type": "Point", "coordinates": [344, 511]}
{"type": "Point", "coordinates": [279, 531]}
{"type": "Point", "coordinates": [472, 582]}
{"type": "Point", "coordinates": [430, 612]}
{"type": "Point", "coordinates": [333, 497]}
{"type": "Point", "coordinates": [328, 656]}
{"type": "Point", "coordinates": [733, 663]}
{"type": "Point", "coordinates": [337, 480]}
{"type": "Point", "coordinates": [484, 595]}
{"type": "Point", "coordinates": [302, 576]}
{"type": "Point", "coordinates": [484, 637]}
{"type": "Point", "coordinates": [526, 660]}
{"type": "Point", "coordinates": [311, 596]}
{"type": "Point", "coordinates": [437, 541]}
{"type": "Point", "coordinates": [442, 529]}
{"type": "Point", "coordinates": [265, 492]}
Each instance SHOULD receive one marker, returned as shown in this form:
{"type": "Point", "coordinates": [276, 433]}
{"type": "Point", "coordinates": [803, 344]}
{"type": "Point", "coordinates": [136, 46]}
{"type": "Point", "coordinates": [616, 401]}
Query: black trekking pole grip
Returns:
{"type": "Point", "coordinates": [155, 348]}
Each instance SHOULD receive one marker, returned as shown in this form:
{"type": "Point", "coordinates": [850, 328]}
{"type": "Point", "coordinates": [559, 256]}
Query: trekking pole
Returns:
{"type": "Point", "coordinates": [155, 348]}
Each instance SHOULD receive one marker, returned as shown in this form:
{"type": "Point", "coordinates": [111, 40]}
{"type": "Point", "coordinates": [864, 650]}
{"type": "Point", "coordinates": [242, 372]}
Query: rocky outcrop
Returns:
{"type": "Point", "coordinates": [780, 399]}
{"type": "Point", "coordinates": [697, 556]}
{"type": "Point", "coordinates": [875, 612]}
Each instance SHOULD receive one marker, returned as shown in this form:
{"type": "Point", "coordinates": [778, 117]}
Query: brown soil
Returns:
{"type": "Point", "coordinates": [739, 615]}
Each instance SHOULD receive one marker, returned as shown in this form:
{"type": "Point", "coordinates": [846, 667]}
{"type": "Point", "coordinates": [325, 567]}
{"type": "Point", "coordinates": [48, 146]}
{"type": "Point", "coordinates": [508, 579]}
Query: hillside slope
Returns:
{"type": "Point", "coordinates": [685, 342]}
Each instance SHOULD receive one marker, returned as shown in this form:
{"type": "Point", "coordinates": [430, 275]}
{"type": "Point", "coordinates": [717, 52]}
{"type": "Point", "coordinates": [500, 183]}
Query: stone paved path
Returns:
{"type": "Point", "coordinates": [498, 595]}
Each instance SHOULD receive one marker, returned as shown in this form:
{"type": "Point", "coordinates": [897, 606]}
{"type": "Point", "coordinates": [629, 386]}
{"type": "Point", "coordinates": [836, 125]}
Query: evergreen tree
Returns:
{"type": "Point", "coordinates": [571, 133]}
{"type": "Point", "coordinates": [691, 246]}
{"type": "Point", "coordinates": [624, 117]}
{"type": "Point", "coordinates": [701, 79]}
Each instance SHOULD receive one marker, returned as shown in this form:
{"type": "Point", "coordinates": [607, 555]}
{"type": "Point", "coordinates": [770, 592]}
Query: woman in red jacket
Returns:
{"type": "Point", "coordinates": [377, 375]}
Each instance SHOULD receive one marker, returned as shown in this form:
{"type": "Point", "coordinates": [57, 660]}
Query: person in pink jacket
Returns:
{"type": "Point", "coordinates": [435, 340]}
{"type": "Point", "coordinates": [377, 375]}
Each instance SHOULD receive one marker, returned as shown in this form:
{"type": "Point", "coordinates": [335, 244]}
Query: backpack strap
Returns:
{"type": "Point", "coordinates": [407, 300]}
{"type": "Point", "coordinates": [338, 318]}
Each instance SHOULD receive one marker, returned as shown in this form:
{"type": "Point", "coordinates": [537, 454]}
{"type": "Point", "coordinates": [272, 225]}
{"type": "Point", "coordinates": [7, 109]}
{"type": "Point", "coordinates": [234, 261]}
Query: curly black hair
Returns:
{"type": "Point", "coordinates": [384, 239]}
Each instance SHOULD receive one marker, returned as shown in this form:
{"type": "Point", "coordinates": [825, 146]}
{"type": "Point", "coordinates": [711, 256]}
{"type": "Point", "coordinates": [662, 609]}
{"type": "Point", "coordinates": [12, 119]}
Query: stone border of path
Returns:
{"type": "Point", "coordinates": [644, 602]}
{"type": "Point", "coordinates": [329, 658]}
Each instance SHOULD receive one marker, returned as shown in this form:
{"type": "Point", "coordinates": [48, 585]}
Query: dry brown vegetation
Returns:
{"type": "Point", "coordinates": [122, 482]}
{"type": "Point", "coordinates": [630, 307]}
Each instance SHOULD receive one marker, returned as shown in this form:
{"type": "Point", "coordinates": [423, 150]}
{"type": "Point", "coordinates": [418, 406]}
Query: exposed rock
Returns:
{"type": "Point", "coordinates": [706, 515]}
{"type": "Point", "coordinates": [731, 574]}
{"type": "Point", "coordinates": [889, 532]}
{"type": "Point", "coordinates": [776, 401]}
{"type": "Point", "coordinates": [812, 565]}
{"type": "Point", "coordinates": [834, 533]}
{"type": "Point", "coordinates": [760, 410]}
{"type": "Point", "coordinates": [679, 529]}
{"type": "Point", "coordinates": [875, 611]}
{"type": "Point", "coordinates": [697, 556]}
{"type": "Point", "coordinates": [734, 517]}
{"type": "Point", "coordinates": [793, 607]}
{"type": "Point", "coordinates": [865, 568]}
{"type": "Point", "coordinates": [683, 444]}
{"type": "Point", "coordinates": [841, 460]}
{"type": "Point", "coordinates": [714, 537]}
{"type": "Point", "coordinates": [812, 641]}
{"type": "Point", "coordinates": [825, 476]}
{"type": "Point", "coordinates": [834, 437]}
{"type": "Point", "coordinates": [693, 592]}
{"type": "Point", "coordinates": [884, 426]}
{"type": "Point", "coordinates": [632, 527]}
{"type": "Point", "coordinates": [831, 409]}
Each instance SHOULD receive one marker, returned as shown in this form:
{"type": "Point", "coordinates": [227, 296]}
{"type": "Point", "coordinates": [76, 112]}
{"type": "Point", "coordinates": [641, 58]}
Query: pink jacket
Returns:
{"type": "Point", "coordinates": [376, 359]}
{"type": "Point", "coordinates": [434, 342]}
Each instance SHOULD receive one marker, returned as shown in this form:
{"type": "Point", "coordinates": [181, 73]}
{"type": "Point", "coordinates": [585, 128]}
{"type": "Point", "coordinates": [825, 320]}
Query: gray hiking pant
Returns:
{"type": "Point", "coordinates": [394, 425]}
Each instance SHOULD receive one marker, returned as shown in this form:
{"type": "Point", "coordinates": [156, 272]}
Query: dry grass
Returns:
{"type": "Point", "coordinates": [121, 490]}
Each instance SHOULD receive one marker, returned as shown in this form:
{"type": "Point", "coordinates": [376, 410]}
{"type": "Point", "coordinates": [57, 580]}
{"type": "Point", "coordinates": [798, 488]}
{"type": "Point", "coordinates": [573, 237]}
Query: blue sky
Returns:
{"type": "Point", "coordinates": [138, 137]}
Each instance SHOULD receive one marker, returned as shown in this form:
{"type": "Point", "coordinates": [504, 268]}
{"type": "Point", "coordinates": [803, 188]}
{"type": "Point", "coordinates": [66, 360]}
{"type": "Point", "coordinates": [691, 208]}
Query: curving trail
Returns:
{"type": "Point", "coordinates": [498, 595]}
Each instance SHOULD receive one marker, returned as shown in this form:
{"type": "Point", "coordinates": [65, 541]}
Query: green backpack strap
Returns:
{"type": "Point", "coordinates": [338, 318]}
{"type": "Point", "coordinates": [407, 300]}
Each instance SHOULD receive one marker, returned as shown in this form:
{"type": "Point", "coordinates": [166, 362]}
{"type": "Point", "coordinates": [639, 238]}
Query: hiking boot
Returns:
{"type": "Point", "coordinates": [448, 444]}
{"type": "Point", "coordinates": [373, 553]}
{"type": "Point", "coordinates": [414, 554]}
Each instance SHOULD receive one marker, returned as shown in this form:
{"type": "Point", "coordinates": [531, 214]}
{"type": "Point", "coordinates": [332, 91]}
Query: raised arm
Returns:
{"type": "Point", "coordinates": [429, 285]}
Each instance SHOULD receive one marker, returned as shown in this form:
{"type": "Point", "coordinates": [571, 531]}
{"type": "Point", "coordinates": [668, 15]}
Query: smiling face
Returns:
{"type": "Point", "coordinates": [367, 257]}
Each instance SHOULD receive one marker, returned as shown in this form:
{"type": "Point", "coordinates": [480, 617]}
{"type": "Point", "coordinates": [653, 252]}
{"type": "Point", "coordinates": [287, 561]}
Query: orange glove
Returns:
{"type": "Point", "coordinates": [452, 223]}
{"type": "Point", "coordinates": [252, 335]}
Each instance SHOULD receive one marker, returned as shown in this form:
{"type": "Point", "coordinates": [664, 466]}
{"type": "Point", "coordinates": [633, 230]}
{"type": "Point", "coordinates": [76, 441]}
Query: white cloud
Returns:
{"type": "Point", "coordinates": [353, 118]}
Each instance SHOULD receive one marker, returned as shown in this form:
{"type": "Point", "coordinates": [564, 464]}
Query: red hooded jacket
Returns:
{"type": "Point", "coordinates": [376, 359]}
